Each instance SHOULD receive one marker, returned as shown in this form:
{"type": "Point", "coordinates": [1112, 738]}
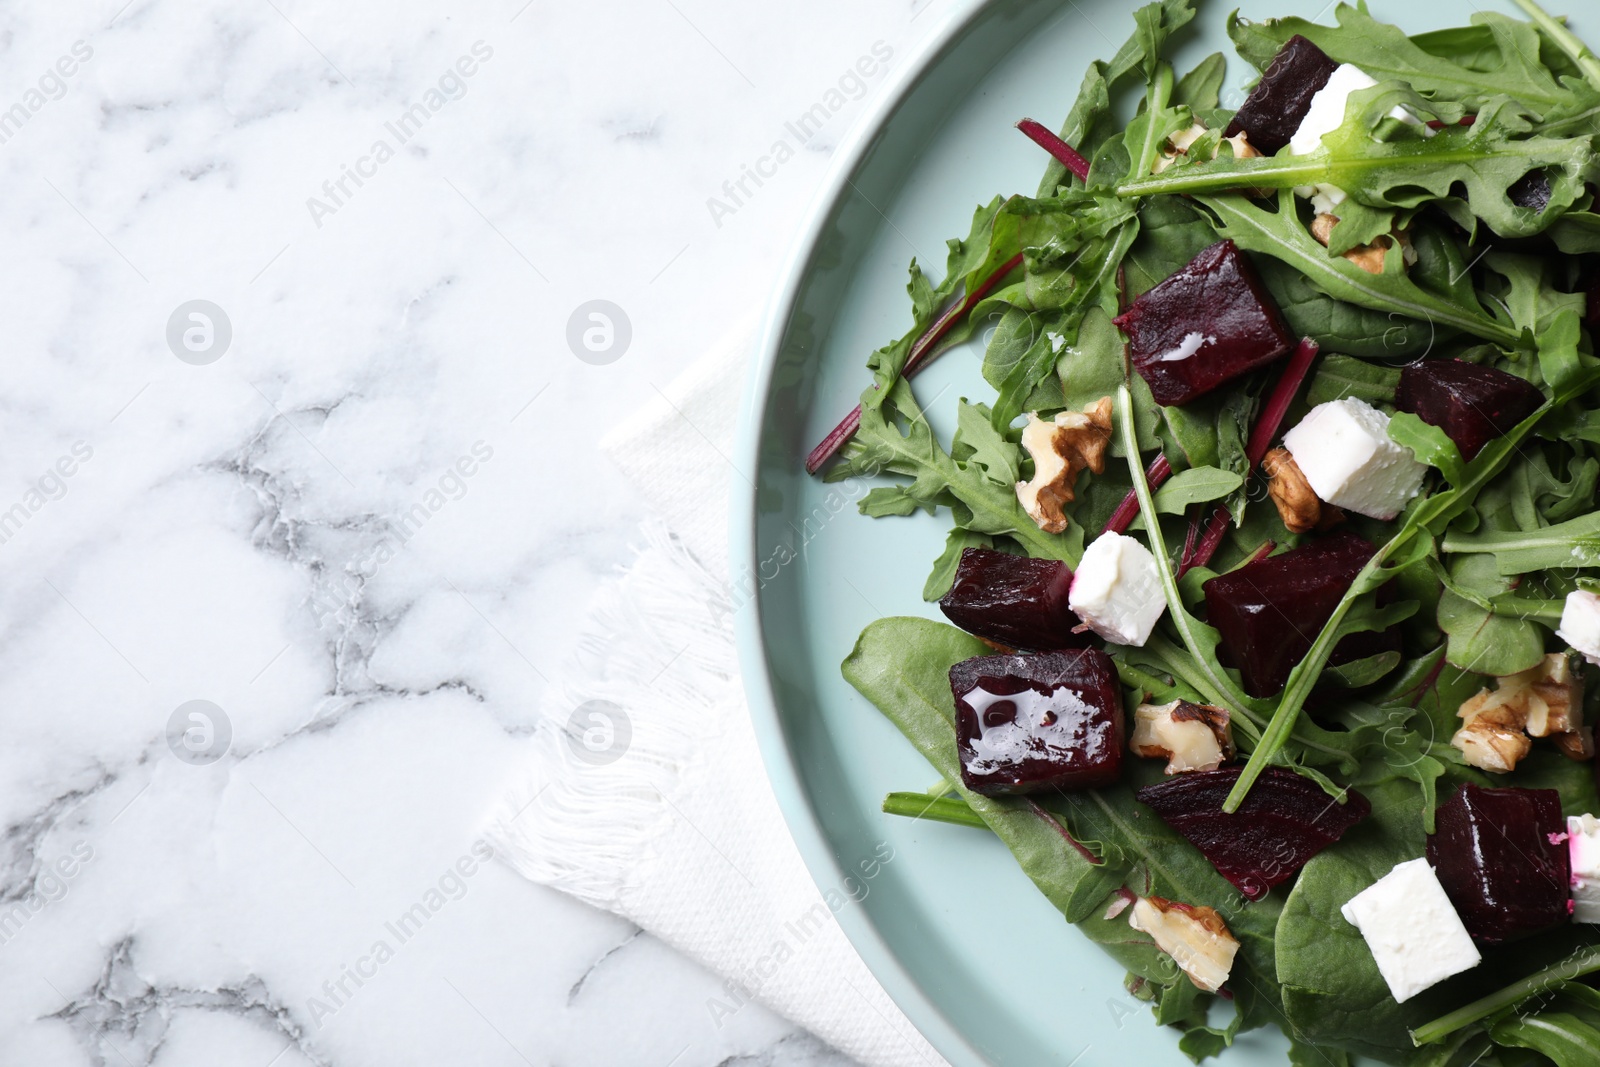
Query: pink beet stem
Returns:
{"type": "Point", "coordinates": [1158, 471]}
{"type": "Point", "coordinates": [1065, 154]}
{"type": "Point", "coordinates": [1261, 438]}
{"type": "Point", "coordinates": [847, 427]}
{"type": "Point", "coordinates": [1283, 394]}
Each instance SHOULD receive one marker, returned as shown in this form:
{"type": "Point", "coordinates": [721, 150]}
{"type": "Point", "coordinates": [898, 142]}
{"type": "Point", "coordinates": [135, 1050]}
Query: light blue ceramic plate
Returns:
{"type": "Point", "coordinates": [988, 970]}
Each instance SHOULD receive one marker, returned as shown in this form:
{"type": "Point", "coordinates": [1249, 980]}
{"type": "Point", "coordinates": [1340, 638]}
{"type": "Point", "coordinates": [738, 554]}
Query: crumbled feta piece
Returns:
{"type": "Point", "coordinates": [1580, 623]}
{"type": "Point", "coordinates": [1195, 937]}
{"type": "Point", "coordinates": [1190, 737]}
{"type": "Point", "coordinates": [1583, 844]}
{"type": "Point", "coordinates": [1116, 590]}
{"type": "Point", "coordinates": [1344, 450]}
{"type": "Point", "coordinates": [1325, 115]}
{"type": "Point", "coordinates": [1416, 937]}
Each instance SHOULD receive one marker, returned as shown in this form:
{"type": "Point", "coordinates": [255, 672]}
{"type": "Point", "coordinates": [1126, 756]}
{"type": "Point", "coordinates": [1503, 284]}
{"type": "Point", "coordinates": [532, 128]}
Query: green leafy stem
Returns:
{"type": "Point", "coordinates": [1503, 1000]}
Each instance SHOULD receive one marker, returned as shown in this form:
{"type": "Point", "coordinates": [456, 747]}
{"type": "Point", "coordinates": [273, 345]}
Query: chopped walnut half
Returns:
{"type": "Point", "coordinates": [1177, 145]}
{"type": "Point", "coordinates": [1194, 936]}
{"type": "Point", "coordinates": [1491, 746]}
{"type": "Point", "coordinates": [1060, 449]}
{"type": "Point", "coordinates": [1576, 744]}
{"type": "Point", "coordinates": [1544, 701]}
{"type": "Point", "coordinates": [1190, 737]}
{"type": "Point", "coordinates": [1368, 257]}
{"type": "Point", "coordinates": [1242, 148]}
{"type": "Point", "coordinates": [1298, 505]}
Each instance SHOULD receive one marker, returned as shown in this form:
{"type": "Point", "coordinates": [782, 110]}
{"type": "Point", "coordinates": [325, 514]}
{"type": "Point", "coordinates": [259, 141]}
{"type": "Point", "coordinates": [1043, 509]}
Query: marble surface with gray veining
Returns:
{"type": "Point", "coordinates": [300, 504]}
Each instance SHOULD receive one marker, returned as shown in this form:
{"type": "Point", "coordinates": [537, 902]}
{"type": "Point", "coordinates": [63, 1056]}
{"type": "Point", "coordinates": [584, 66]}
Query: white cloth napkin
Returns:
{"type": "Point", "coordinates": [648, 798]}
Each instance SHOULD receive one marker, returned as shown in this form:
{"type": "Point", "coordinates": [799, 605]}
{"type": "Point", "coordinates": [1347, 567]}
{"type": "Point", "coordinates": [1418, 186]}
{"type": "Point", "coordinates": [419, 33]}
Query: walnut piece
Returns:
{"type": "Point", "coordinates": [1298, 505]}
{"type": "Point", "coordinates": [1368, 257]}
{"type": "Point", "coordinates": [1544, 701]}
{"type": "Point", "coordinates": [1060, 449]}
{"type": "Point", "coordinates": [1490, 746]}
{"type": "Point", "coordinates": [1177, 145]}
{"type": "Point", "coordinates": [1190, 737]}
{"type": "Point", "coordinates": [1195, 937]}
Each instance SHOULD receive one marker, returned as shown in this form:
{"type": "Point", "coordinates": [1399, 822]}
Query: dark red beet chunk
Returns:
{"type": "Point", "coordinates": [1269, 612]}
{"type": "Point", "coordinates": [1206, 325]}
{"type": "Point", "coordinates": [1013, 600]}
{"type": "Point", "coordinates": [1495, 858]}
{"type": "Point", "coordinates": [1031, 723]}
{"type": "Point", "coordinates": [1279, 102]}
{"type": "Point", "coordinates": [1284, 821]}
{"type": "Point", "coordinates": [1471, 403]}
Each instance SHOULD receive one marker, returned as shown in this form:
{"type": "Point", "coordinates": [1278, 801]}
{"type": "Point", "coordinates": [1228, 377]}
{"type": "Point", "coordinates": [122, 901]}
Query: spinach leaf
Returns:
{"type": "Point", "coordinates": [903, 666]}
{"type": "Point", "coordinates": [1332, 991]}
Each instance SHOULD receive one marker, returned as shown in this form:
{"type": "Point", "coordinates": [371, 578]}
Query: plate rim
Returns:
{"type": "Point", "coordinates": [800, 817]}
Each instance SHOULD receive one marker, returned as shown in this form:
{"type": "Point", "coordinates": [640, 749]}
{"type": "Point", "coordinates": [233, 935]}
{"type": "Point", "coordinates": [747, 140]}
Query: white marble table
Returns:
{"type": "Point", "coordinates": [355, 504]}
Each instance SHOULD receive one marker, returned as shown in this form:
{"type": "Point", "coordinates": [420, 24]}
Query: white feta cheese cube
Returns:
{"type": "Point", "coordinates": [1580, 623]}
{"type": "Point", "coordinates": [1344, 450]}
{"type": "Point", "coordinates": [1117, 590]}
{"type": "Point", "coordinates": [1583, 845]}
{"type": "Point", "coordinates": [1325, 115]}
{"type": "Point", "coordinates": [1416, 937]}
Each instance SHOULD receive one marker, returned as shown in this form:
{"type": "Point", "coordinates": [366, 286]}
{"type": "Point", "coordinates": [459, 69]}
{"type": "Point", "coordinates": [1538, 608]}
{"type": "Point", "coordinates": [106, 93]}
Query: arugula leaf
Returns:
{"type": "Point", "coordinates": [1091, 122]}
{"type": "Point", "coordinates": [1281, 235]}
{"type": "Point", "coordinates": [1385, 52]}
{"type": "Point", "coordinates": [1072, 245]}
{"type": "Point", "coordinates": [964, 480]}
{"type": "Point", "coordinates": [943, 575]}
{"type": "Point", "coordinates": [1480, 639]}
{"type": "Point", "coordinates": [1406, 172]}
{"type": "Point", "coordinates": [1429, 444]}
{"type": "Point", "coordinates": [1424, 518]}
{"type": "Point", "coordinates": [1193, 486]}
{"type": "Point", "coordinates": [1574, 543]}
{"type": "Point", "coordinates": [1567, 1040]}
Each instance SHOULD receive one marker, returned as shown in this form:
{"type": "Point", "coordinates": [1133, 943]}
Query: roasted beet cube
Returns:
{"type": "Point", "coordinates": [1284, 821]}
{"type": "Point", "coordinates": [1502, 858]}
{"type": "Point", "coordinates": [1270, 611]}
{"type": "Point", "coordinates": [1471, 403]}
{"type": "Point", "coordinates": [1279, 102]}
{"type": "Point", "coordinates": [1013, 600]}
{"type": "Point", "coordinates": [1047, 721]}
{"type": "Point", "coordinates": [1207, 324]}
